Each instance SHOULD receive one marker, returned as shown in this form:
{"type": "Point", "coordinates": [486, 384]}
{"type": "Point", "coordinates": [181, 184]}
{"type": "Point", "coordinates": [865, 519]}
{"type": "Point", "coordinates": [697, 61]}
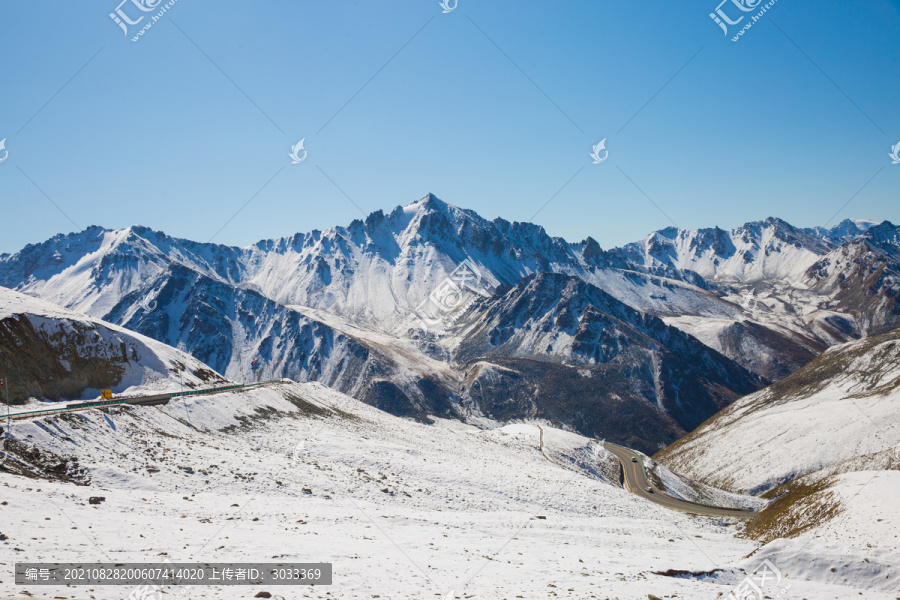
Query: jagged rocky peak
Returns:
{"type": "Point", "coordinates": [758, 250]}
{"type": "Point", "coordinates": [431, 204]}
{"type": "Point", "coordinates": [432, 201]}
{"type": "Point", "coordinates": [885, 234]}
{"type": "Point", "coordinates": [844, 231]}
{"type": "Point", "coordinates": [431, 211]}
{"type": "Point", "coordinates": [773, 228]}
{"type": "Point", "coordinates": [591, 250]}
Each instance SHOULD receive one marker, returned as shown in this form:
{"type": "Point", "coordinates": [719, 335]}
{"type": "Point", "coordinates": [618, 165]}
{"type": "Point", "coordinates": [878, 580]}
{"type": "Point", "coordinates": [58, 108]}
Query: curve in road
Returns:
{"type": "Point", "coordinates": [636, 482]}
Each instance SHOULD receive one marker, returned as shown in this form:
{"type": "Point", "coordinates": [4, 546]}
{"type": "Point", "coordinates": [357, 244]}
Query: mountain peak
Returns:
{"type": "Point", "coordinates": [430, 202]}
{"type": "Point", "coordinates": [846, 230]}
{"type": "Point", "coordinates": [885, 234]}
{"type": "Point", "coordinates": [432, 213]}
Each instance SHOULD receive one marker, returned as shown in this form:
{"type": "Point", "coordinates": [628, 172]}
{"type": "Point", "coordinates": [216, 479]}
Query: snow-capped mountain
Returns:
{"type": "Point", "coordinates": [433, 313]}
{"type": "Point", "coordinates": [862, 279]}
{"type": "Point", "coordinates": [344, 306]}
{"type": "Point", "coordinates": [761, 251]}
{"type": "Point", "coordinates": [769, 250]}
{"type": "Point", "coordinates": [844, 231]}
{"type": "Point", "coordinates": [374, 272]}
{"type": "Point", "coordinates": [799, 293]}
{"type": "Point", "coordinates": [47, 351]}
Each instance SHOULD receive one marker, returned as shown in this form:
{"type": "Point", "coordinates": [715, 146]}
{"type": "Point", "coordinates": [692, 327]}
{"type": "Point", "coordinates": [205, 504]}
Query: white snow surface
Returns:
{"type": "Point", "coordinates": [870, 516]}
{"type": "Point", "coordinates": [401, 509]}
{"type": "Point", "coordinates": [765, 439]}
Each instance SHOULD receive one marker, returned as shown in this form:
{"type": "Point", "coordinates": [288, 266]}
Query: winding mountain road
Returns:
{"type": "Point", "coordinates": [637, 483]}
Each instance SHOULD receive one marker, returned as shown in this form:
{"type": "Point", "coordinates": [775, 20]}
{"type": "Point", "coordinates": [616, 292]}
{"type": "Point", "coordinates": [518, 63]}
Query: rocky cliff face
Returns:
{"type": "Point", "coordinates": [48, 352]}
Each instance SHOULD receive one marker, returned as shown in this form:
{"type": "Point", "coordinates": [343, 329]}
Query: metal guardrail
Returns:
{"type": "Point", "coordinates": [50, 411]}
{"type": "Point", "coordinates": [135, 400]}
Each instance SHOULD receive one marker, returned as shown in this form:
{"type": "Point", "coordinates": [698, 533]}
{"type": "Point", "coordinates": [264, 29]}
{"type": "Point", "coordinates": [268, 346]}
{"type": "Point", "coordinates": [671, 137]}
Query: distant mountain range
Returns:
{"type": "Point", "coordinates": [433, 310]}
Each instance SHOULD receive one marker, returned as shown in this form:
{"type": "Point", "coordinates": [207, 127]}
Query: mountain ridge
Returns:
{"type": "Point", "coordinates": [273, 307]}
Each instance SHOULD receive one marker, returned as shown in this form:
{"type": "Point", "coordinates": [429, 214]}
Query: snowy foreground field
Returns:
{"type": "Point", "coordinates": [297, 472]}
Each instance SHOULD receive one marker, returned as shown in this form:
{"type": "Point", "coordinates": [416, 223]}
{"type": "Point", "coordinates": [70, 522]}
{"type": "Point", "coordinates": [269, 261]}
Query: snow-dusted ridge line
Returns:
{"type": "Point", "coordinates": [287, 269]}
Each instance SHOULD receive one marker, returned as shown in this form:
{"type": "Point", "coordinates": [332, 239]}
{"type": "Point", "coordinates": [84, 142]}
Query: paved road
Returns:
{"type": "Point", "coordinates": [637, 483]}
{"type": "Point", "coordinates": [122, 400]}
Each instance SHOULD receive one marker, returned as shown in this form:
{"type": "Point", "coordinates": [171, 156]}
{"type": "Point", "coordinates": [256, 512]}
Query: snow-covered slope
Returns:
{"type": "Point", "coordinates": [50, 352]}
{"type": "Point", "coordinates": [843, 405]}
{"type": "Point", "coordinates": [400, 509]}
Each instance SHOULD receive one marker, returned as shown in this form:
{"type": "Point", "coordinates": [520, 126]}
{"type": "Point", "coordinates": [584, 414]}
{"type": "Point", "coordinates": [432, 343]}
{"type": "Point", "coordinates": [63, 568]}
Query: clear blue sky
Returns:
{"type": "Point", "coordinates": [154, 133]}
